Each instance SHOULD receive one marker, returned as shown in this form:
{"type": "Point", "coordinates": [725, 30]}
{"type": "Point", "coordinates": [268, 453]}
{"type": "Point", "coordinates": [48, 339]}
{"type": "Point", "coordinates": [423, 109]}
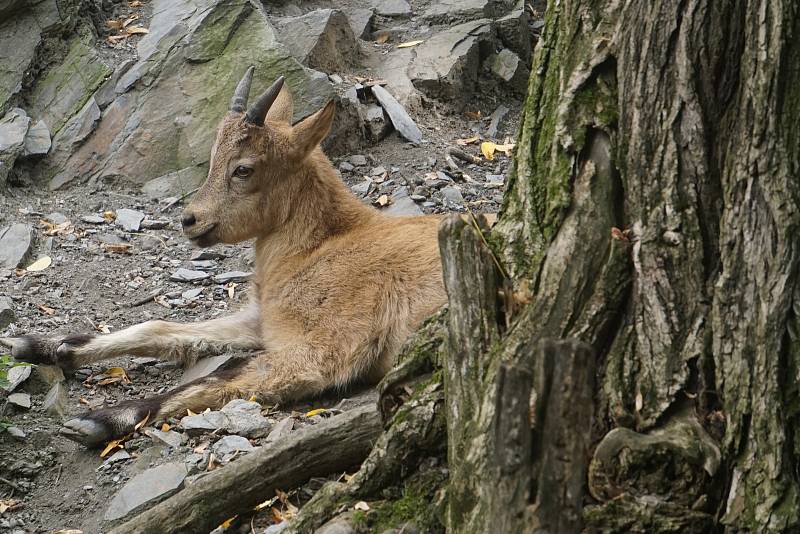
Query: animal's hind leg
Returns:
{"type": "Point", "coordinates": [275, 377]}
{"type": "Point", "coordinates": [183, 342]}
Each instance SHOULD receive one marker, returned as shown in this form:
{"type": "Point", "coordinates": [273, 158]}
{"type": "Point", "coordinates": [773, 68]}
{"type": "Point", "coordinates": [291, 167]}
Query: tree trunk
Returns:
{"type": "Point", "coordinates": [653, 213]}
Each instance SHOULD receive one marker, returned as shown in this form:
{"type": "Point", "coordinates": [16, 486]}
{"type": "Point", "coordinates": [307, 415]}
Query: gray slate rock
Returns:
{"type": "Point", "coordinates": [23, 400]}
{"type": "Point", "coordinates": [377, 123]}
{"type": "Point", "coordinates": [507, 66]}
{"type": "Point", "coordinates": [37, 141]}
{"type": "Point", "coordinates": [453, 195]}
{"type": "Point", "coordinates": [56, 217]}
{"type": "Point", "coordinates": [16, 432]}
{"type": "Point", "coordinates": [321, 39]}
{"type": "Point", "coordinates": [400, 118]}
{"type": "Point", "coordinates": [335, 526]}
{"type": "Point", "coordinates": [187, 275]}
{"type": "Point", "coordinates": [282, 429]}
{"type": "Point", "coordinates": [402, 205]}
{"type": "Point", "coordinates": [358, 160]}
{"type": "Point", "coordinates": [446, 64]}
{"type": "Point", "coordinates": [55, 402]}
{"type": "Point", "coordinates": [174, 184]}
{"type": "Point", "coordinates": [514, 31]}
{"type": "Point", "coordinates": [13, 127]}
{"type": "Point", "coordinates": [231, 444]}
{"type": "Point", "coordinates": [392, 8]}
{"type": "Point", "coordinates": [93, 219]}
{"type": "Point", "coordinates": [244, 418]}
{"type": "Point", "coordinates": [232, 276]}
{"type": "Point", "coordinates": [208, 421]}
{"type": "Point", "coordinates": [170, 437]}
{"type": "Point", "coordinates": [118, 456]}
{"type": "Point", "coordinates": [129, 220]}
{"type": "Point", "coordinates": [16, 376]}
{"type": "Point", "coordinates": [7, 315]}
{"type": "Point", "coordinates": [444, 11]}
{"type": "Point", "coordinates": [204, 367]}
{"type": "Point", "coordinates": [146, 488]}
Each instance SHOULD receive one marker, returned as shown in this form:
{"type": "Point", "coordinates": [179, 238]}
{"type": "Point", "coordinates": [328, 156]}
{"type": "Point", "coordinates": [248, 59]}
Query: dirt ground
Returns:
{"type": "Point", "coordinates": [90, 286]}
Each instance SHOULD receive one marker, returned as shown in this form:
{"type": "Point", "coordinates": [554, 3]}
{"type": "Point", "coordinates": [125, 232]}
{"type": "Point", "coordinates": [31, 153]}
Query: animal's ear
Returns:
{"type": "Point", "coordinates": [309, 132]}
{"type": "Point", "coordinates": [283, 107]}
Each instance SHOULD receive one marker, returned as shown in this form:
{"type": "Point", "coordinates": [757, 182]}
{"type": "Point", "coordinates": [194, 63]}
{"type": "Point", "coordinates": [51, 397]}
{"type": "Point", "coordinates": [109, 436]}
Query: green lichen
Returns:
{"type": "Point", "coordinates": [415, 504]}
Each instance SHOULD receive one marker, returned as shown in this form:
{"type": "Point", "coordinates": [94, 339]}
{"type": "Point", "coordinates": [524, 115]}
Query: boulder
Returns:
{"type": "Point", "coordinates": [446, 64]}
{"type": "Point", "coordinates": [7, 315]}
{"type": "Point", "coordinates": [507, 66]}
{"type": "Point", "coordinates": [360, 21]}
{"type": "Point", "coordinates": [13, 128]}
{"type": "Point", "coordinates": [321, 39]}
{"type": "Point", "coordinates": [16, 244]}
{"type": "Point", "coordinates": [515, 33]}
{"type": "Point", "coordinates": [167, 105]}
{"type": "Point", "coordinates": [37, 141]}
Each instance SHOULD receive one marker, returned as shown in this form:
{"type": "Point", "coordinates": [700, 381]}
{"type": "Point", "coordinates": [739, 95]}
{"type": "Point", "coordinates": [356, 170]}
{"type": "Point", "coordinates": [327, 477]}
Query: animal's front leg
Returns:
{"type": "Point", "coordinates": [275, 377]}
{"type": "Point", "coordinates": [183, 342]}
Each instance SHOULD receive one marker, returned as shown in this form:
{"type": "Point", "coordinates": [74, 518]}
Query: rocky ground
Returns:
{"type": "Point", "coordinates": [106, 129]}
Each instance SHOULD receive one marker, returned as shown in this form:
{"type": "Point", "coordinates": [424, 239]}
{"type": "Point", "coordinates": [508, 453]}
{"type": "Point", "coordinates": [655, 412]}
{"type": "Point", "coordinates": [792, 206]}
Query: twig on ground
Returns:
{"type": "Point", "coordinates": [168, 206]}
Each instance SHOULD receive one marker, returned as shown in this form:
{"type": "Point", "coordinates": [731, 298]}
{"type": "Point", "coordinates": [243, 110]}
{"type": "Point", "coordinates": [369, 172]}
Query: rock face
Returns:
{"type": "Point", "coordinates": [446, 65]}
{"type": "Point", "coordinates": [161, 114]}
{"type": "Point", "coordinates": [322, 39]}
{"type": "Point", "coordinates": [13, 128]}
{"type": "Point", "coordinates": [444, 11]}
{"type": "Point", "coordinates": [148, 487]}
{"type": "Point", "coordinates": [507, 66]}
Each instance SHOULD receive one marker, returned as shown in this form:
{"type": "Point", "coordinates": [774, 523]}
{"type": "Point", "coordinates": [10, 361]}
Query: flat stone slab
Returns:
{"type": "Point", "coordinates": [129, 220]}
{"type": "Point", "coordinates": [146, 488]}
{"type": "Point", "coordinates": [170, 437]}
{"type": "Point", "coordinates": [23, 400]}
{"type": "Point", "coordinates": [232, 276]}
{"type": "Point", "coordinates": [400, 118]}
{"type": "Point", "coordinates": [402, 205]}
{"type": "Point", "coordinates": [16, 242]}
{"type": "Point", "coordinates": [188, 275]}
{"type": "Point", "coordinates": [231, 444]}
{"type": "Point", "coordinates": [204, 367]}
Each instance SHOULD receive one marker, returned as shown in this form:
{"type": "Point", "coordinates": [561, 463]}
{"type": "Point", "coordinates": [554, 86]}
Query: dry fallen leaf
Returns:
{"type": "Point", "coordinates": [135, 30]}
{"type": "Point", "coordinates": [40, 265]}
{"type": "Point", "coordinates": [112, 445]}
{"type": "Point", "coordinates": [505, 148]}
{"type": "Point", "coordinates": [68, 531]}
{"type": "Point", "coordinates": [114, 39]}
{"type": "Point", "coordinates": [109, 215]}
{"type": "Point", "coordinates": [114, 24]}
{"type": "Point", "coordinates": [129, 20]}
{"type": "Point", "coordinates": [382, 38]}
{"type": "Point", "coordinates": [135, 3]}
{"type": "Point", "coordinates": [409, 44]}
{"type": "Point", "coordinates": [361, 505]}
{"type": "Point", "coordinates": [117, 248]}
{"type": "Point", "coordinates": [117, 372]}
{"type": "Point", "coordinates": [475, 115]}
{"type": "Point", "coordinates": [165, 427]}
{"type": "Point", "coordinates": [7, 504]}
{"type": "Point", "coordinates": [468, 140]}
{"type": "Point", "coordinates": [318, 411]}
{"type": "Point", "coordinates": [47, 309]}
{"type": "Point", "coordinates": [200, 448]}
{"type": "Point", "coordinates": [227, 523]}
{"type": "Point", "coordinates": [382, 201]}
{"type": "Point", "coordinates": [487, 149]}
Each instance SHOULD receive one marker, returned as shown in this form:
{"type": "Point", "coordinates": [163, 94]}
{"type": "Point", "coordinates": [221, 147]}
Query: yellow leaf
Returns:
{"type": "Point", "coordinates": [227, 523]}
{"type": "Point", "coordinates": [409, 44]}
{"type": "Point", "coordinates": [134, 30]}
{"type": "Point", "coordinates": [318, 411]}
{"type": "Point", "coordinates": [143, 422]}
{"type": "Point", "coordinates": [165, 427]}
{"type": "Point", "coordinates": [109, 215]}
{"type": "Point", "coordinates": [252, 398]}
{"type": "Point", "coordinates": [505, 149]}
{"type": "Point", "coordinates": [40, 265]}
{"type": "Point", "coordinates": [113, 444]}
{"type": "Point", "coordinates": [487, 149]}
{"type": "Point", "coordinates": [467, 141]}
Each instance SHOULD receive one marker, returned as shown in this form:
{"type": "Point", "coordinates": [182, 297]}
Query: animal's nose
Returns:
{"type": "Point", "coordinates": [188, 220]}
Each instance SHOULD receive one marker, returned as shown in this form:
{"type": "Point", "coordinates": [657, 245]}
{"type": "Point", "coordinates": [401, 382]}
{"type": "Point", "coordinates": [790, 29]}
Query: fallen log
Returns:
{"type": "Point", "coordinates": [341, 442]}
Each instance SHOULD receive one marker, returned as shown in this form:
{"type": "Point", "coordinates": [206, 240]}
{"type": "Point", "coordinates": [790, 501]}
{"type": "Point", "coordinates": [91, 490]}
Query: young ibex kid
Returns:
{"type": "Point", "coordinates": [337, 287]}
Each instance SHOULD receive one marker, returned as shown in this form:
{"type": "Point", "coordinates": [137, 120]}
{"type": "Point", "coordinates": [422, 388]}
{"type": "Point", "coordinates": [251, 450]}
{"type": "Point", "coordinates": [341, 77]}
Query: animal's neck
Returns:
{"type": "Point", "coordinates": [324, 207]}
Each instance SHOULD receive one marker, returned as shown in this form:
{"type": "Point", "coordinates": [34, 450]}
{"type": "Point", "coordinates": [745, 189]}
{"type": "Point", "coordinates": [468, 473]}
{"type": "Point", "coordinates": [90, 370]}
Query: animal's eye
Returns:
{"type": "Point", "coordinates": [242, 171]}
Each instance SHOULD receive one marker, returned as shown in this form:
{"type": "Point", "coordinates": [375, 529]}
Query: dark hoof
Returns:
{"type": "Point", "coordinates": [95, 429]}
{"type": "Point", "coordinates": [41, 350]}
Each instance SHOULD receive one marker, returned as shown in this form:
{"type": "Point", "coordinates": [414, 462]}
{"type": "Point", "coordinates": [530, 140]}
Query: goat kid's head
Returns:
{"type": "Point", "coordinates": [254, 173]}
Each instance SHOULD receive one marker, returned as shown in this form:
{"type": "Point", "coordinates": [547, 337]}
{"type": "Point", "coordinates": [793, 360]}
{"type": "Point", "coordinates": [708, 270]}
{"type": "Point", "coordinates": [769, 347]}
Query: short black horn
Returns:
{"type": "Point", "coordinates": [258, 111]}
{"type": "Point", "coordinates": [239, 100]}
